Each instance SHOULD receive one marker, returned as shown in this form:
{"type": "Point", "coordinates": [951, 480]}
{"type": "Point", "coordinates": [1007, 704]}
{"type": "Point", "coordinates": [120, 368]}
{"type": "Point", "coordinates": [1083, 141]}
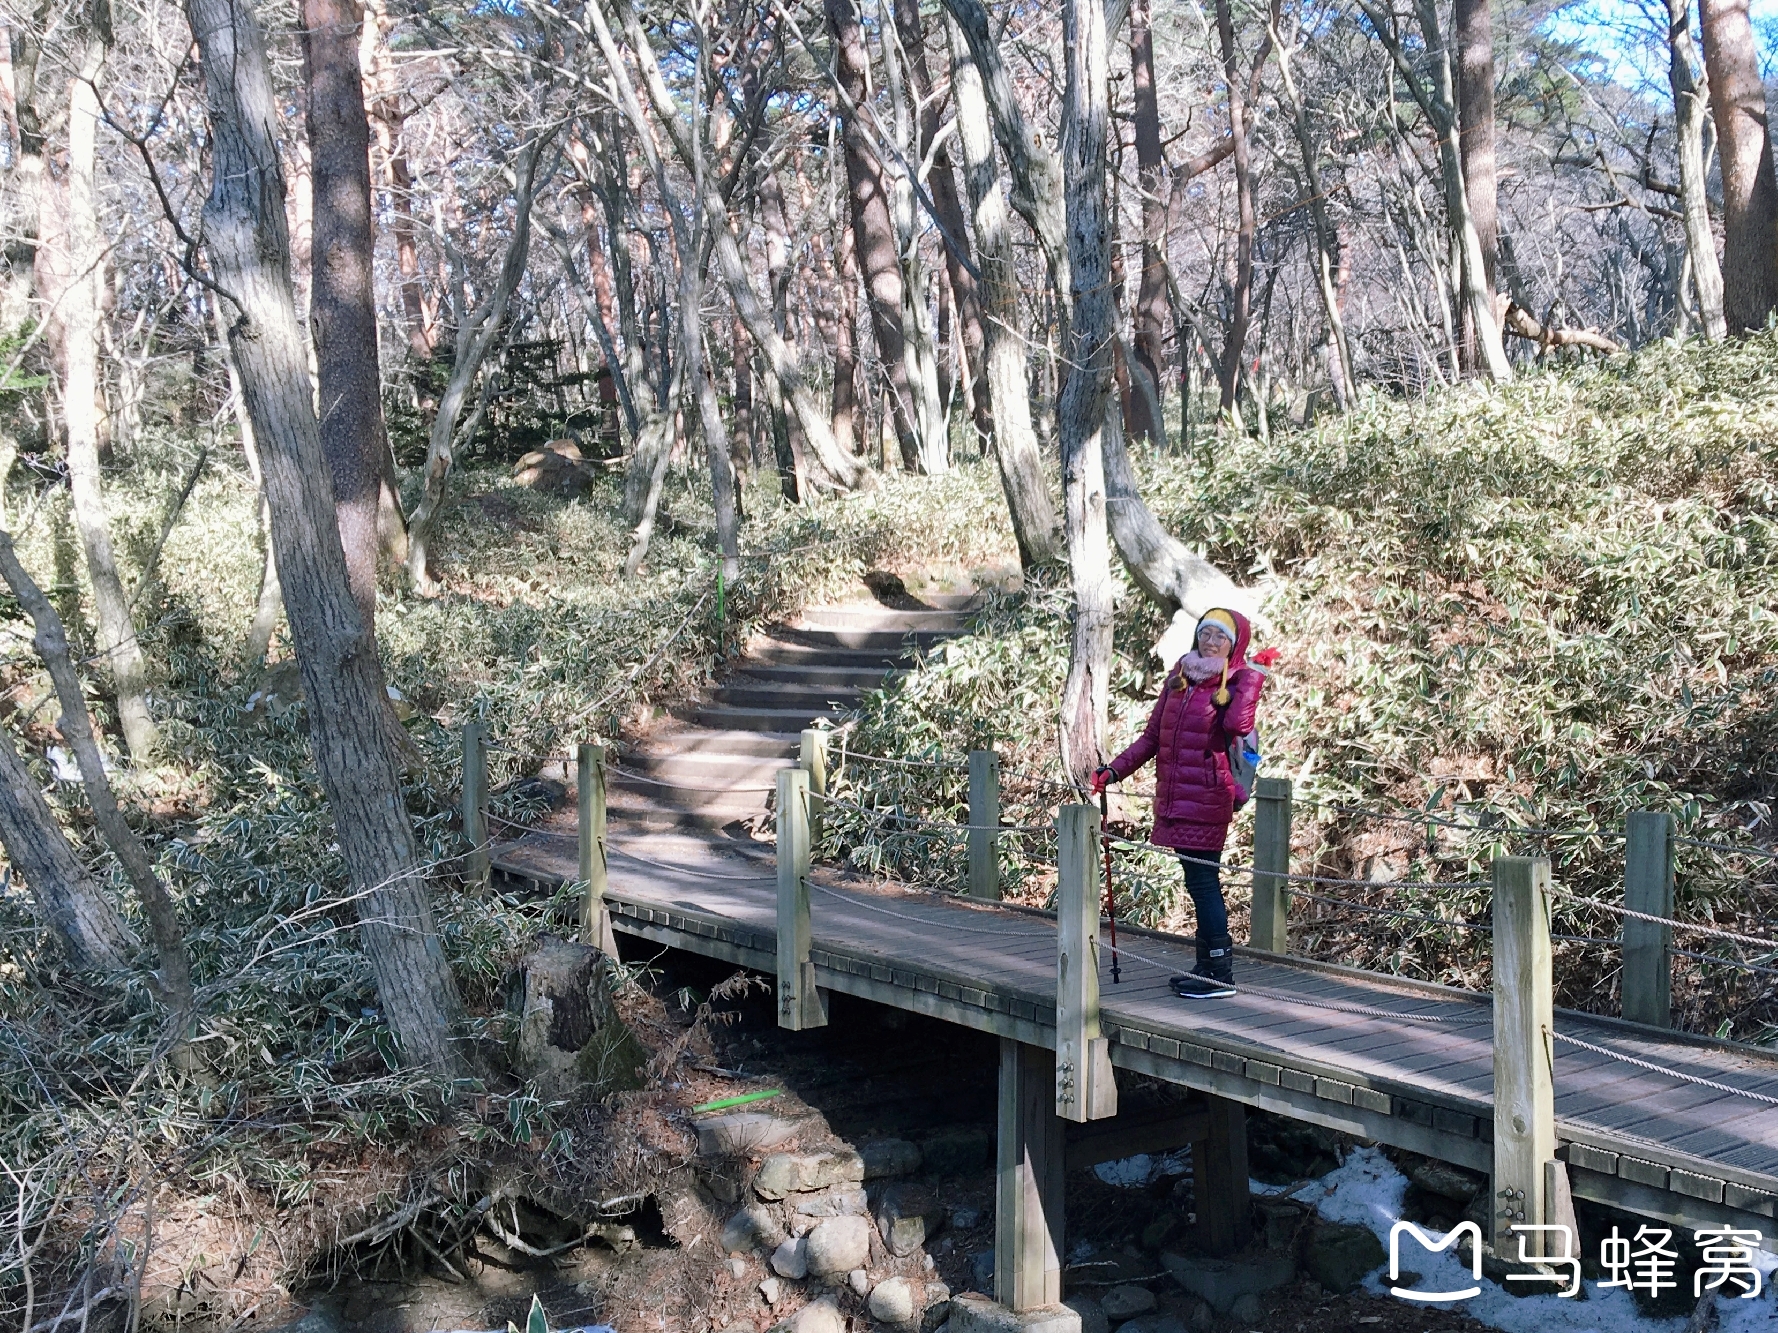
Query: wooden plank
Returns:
{"type": "Point", "coordinates": [1028, 1180]}
{"type": "Point", "coordinates": [984, 815]}
{"type": "Point", "coordinates": [1219, 1171]}
{"type": "Point", "coordinates": [593, 863]}
{"type": "Point", "coordinates": [1271, 863]}
{"type": "Point", "coordinates": [475, 800]}
{"type": "Point", "coordinates": [799, 999]}
{"type": "Point", "coordinates": [1524, 1102]}
{"type": "Point", "coordinates": [1158, 1130]}
{"type": "Point", "coordinates": [1648, 887]}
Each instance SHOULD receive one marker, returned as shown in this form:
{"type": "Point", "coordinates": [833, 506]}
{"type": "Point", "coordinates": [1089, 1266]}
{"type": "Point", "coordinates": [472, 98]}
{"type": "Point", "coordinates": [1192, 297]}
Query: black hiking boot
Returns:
{"type": "Point", "coordinates": [1214, 976]}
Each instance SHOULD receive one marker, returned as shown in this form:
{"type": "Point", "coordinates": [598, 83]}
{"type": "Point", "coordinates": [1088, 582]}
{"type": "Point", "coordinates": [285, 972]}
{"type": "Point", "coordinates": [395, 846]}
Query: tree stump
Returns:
{"type": "Point", "coordinates": [570, 1039]}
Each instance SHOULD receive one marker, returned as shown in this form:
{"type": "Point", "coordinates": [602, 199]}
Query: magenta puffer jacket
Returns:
{"type": "Point", "coordinates": [1189, 737]}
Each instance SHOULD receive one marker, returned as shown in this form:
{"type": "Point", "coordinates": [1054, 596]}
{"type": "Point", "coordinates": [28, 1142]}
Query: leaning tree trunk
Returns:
{"type": "Point", "coordinates": [78, 913]}
{"type": "Point", "coordinates": [1085, 400]}
{"type": "Point", "coordinates": [51, 642]}
{"type": "Point", "coordinates": [342, 303]}
{"type": "Point", "coordinates": [873, 229]}
{"type": "Point", "coordinates": [1691, 101]}
{"type": "Point", "coordinates": [248, 247]}
{"type": "Point", "coordinates": [475, 339]}
{"type": "Point", "coordinates": [1003, 351]}
{"type": "Point", "coordinates": [1749, 192]}
{"type": "Point", "coordinates": [120, 654]}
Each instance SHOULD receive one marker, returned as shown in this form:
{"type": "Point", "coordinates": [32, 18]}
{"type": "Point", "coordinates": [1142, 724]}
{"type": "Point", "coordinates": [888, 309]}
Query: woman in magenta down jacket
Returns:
{"type": "Point", "coordinates": [1210, 700]}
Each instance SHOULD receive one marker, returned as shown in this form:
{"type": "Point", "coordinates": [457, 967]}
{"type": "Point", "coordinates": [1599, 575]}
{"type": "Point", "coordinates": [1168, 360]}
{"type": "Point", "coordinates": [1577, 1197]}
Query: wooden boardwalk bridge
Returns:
{"type": "Point", "coordinates": [1670, 1126]}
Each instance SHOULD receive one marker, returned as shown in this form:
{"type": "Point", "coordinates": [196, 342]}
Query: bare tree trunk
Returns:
{"type": "Point", "coordinates": [873, 229]}
{"type": "Point", "coordinates": [51, 642]}
{"type": "Point", "coordinates": [787, 432]}
{"type": "Point", "coordinates": [1247, 227]}
{"type": "Point", "coordinates": [1085, 402]}
{"type": "Point", "coordinates": [398, 181]}
{"type": "Point", "coordinates": [1438, 101]}
{"type": "Point", "coordinates": [1328, 262]}
{"type": "Point", "coordinates": [79, 915]}
{"type": "Point", "coordinates": [249, 253]}
{"type": "Point", "coordinates": [119, 652]}
{"type": "Point", "coordinates": [342, 307]}
{"type": "Point", "coordinates": [920, 341]}
{"type": "Point", "coordinates": [845, 355]}
{"type": "Point", "coordinates": [1749, 192]}
{"type": "Point", "coordinates": [476, 335]}
{"type": "Point", "coordinates": [1152, 314]}
{"type": "Point", "coordinates": [1003, 352]}
{"type": "Point", "coordinates": [941, 183]}
{"type": "Point", "coordinates": [1691, 101]}
{"type": "Point", "coordinates": [1472, 29]}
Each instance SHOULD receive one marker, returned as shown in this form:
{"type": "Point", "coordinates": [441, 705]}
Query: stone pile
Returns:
{"type": "Point", "coordinates": [833, 1231]}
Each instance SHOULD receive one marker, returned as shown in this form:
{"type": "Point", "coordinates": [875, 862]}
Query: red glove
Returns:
{"type": "Point", "coordinates": [1100, 778]}
{"type": "Point", "coordinates": [1265, 658]}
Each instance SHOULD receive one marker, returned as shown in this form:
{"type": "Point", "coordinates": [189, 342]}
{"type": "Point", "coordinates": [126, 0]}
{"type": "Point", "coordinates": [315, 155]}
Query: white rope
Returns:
{"type": "Point", "coordinates": [1666, 920]}
{"type": "Point", "coordinates": [634, 776]}
{"type": "Point", "coordinates": [687, 870]}
{"type": "Point", "coordinates": [1653, 1068]}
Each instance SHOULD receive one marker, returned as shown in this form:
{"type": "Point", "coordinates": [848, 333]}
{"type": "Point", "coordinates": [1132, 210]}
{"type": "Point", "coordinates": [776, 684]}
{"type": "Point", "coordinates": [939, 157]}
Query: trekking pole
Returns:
{"type": "Point", "coordinates": [1110, 897]}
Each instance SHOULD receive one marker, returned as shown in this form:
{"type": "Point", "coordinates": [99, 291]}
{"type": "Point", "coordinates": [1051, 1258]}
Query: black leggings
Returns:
{"type": "Point", "coordinates": [1203, 880]}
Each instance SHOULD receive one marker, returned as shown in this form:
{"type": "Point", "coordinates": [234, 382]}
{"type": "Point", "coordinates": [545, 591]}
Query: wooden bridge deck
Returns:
{"type": "Point", "coordinates": [1324, 1044]}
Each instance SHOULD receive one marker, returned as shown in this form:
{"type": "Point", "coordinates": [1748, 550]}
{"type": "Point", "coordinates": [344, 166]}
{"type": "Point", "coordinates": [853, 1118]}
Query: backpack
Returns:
{"type": "Point", "coordinates": [1244, 760]}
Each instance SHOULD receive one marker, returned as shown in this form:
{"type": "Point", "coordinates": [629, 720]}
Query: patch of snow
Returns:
{"type": "Point", "coordinates": [1367, 1191]}
{"type": "Point", "coordinates": [1143, 1169]}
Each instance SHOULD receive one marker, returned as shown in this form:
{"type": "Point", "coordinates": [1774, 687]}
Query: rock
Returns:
{"type": "Point", "coordinates": [859, 1281]}
{"type": "Point", "coordinates": [1091, 1312]}
{"type": "Point", "coordinates": [770, 1290]}
{"type": "Point", "coordinates": [958, 1150]}
{"type": "Point", "coordinates": [892, 1301]}
{"type": "Point", "coordinates": [743, 1133]}
{"type": "Point", "coordinates": [1220, 1281]}
{"type": "Point", "coordinates": [556, 468]}
{"type": "Point", "coordinates": [796, 1173]}
{"type": "Point", "coordinates": [1283, 1218]}
{"type": "Point", "coordinates": [1447, 1181]}
{"type": "Point", "coordinates": [936, 1297]}
{"type": "Point", "coordinates": [1202, 1317]}
{"type": "Point", "coordinates": [1339, 1256]}
{"type": "Point", "coordinates": [791, 1260]}
{"type": "Point", "coordinates": [973, 1313]}
{"type": "Point", "coordinates": [981, 1269]}
{"type": "Point", "coordinates": [1126, 1302]}
{"type": "Point", "coordinates": [1153, 1323]}
{"type": "Point", "coordinates": [1247, 1309]}
{"type": "Point", "coordinates": [753, 1227]}
{"type": "Point", "coordinates": [906, 1215]}
{"type": "Point", "coordinates": [840, 1201]}
{"type": "Point", "coordinates": [822, 1316]}
{"type": "Point", "coordinates": [838, 1245]}
{"type": "Point", "coordinates": [317, 1319]}
{"type": "Point", "coordinates": [737, 1267]}
{"type": "Point", "coordinates": [1158, 1232]}
{"type": "Point", "coordinates": [965, 1219]}
{"type": "Point", "coordinates": [889, 1157]}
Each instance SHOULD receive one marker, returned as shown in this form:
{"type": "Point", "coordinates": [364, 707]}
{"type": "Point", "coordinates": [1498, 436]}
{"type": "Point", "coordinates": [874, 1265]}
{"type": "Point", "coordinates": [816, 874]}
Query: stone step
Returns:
{"type": "Point", "coordinates": [636, 813]}
{"type": "Point", "coordinates": [851, 619]}
{"type": "Point", "coordinates": [776, 651]}
{"type": "Point", "coordinates": [759, 719]}
{"type": "Point", "coordinates": [717, 740]}
{"type": "Point", "coordinates": [827, 677]}
{"type": "Point", "coordinates": [884, 641]}
{"type": "Point", "coordinates": [743, 693]}
{"type": "Point", "coordinates": [707, 797]}
{"type": "Point", "coordinates": [709, 767]}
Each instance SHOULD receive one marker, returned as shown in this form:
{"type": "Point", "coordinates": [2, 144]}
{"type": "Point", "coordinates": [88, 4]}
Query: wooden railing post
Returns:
{"type": "Point", "coordinates": [1648, 887]}
{"type": "Point", "coordinates": [595, 918]}
{"type": "Point", "coordinates": [799, 1002]}
{"type": "Point", "coordinates": [1028, 1182]}
{"type": "Point", "coordinates": [1086, 1088]}
{"type": "Point", "coordinates": [984, 817]}
{"type": "Point", "coordinates": [475, 799]}
{"type": "Point", "coordinates": [1271, 864]}
{"type": "Point", "coordinates": [812, 759]}
{"type": "Point", "coordinates": [1524, 1095]}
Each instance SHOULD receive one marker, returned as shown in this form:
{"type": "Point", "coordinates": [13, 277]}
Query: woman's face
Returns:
{"type": "Point", "coordinates": [1212, 642]}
